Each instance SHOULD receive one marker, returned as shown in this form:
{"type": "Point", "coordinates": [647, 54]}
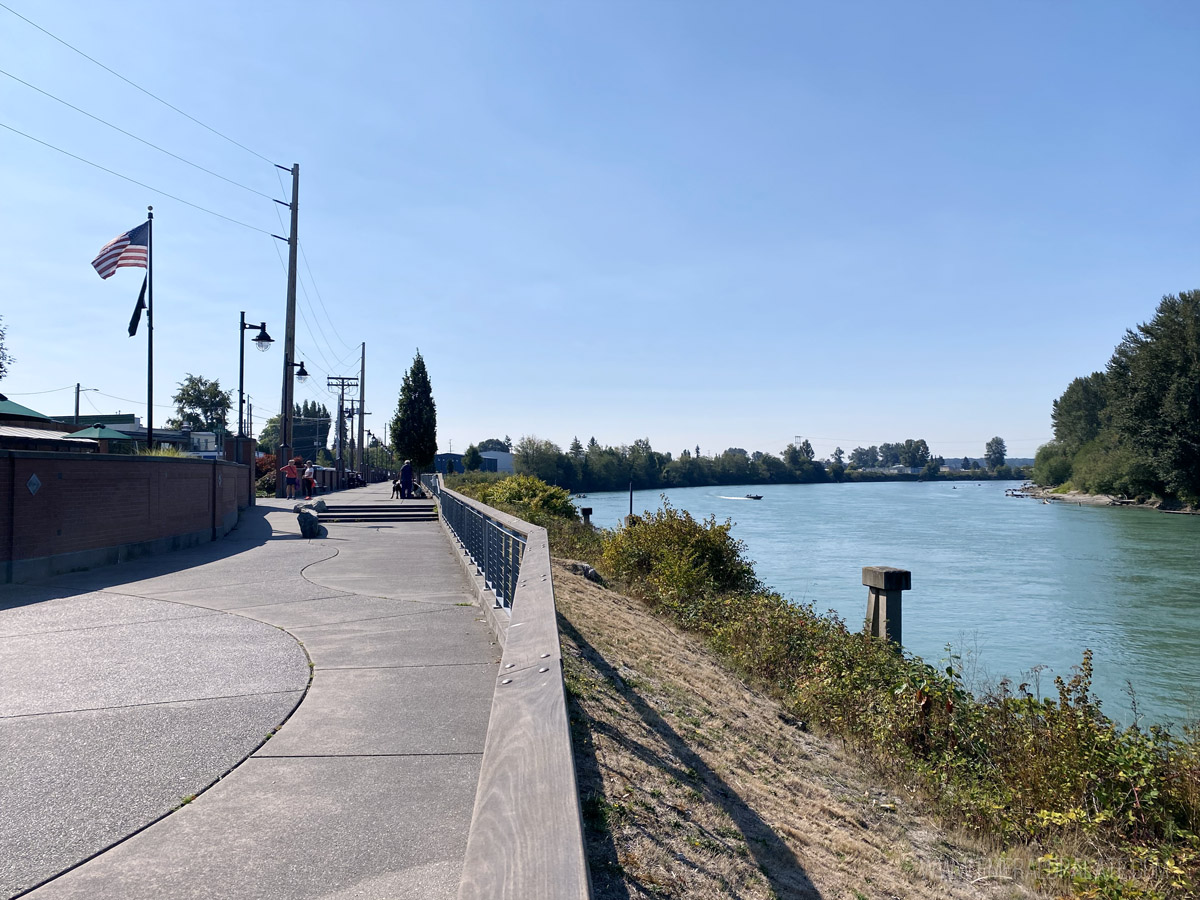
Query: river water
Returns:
{"type": "Point", "coordinates": [1011, 584]}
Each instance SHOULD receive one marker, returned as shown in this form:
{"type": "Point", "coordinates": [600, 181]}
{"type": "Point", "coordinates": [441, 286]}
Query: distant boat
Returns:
{"type": "Point", "coordinates": [754, 496]}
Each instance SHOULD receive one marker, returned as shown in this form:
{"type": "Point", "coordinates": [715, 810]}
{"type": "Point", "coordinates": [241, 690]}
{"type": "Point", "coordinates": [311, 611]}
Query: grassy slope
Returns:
{"type": "Point", "coordinates": [693, 786]}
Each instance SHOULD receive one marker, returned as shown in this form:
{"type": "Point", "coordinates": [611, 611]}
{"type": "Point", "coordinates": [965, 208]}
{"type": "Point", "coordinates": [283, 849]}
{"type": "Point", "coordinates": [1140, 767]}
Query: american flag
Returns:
{"type": "Point", "coordinates": [127, 250]}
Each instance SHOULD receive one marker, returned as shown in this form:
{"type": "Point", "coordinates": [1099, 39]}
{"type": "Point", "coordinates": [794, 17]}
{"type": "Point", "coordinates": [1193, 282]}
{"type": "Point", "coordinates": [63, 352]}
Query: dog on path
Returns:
{"type": "Point", "coordinates": [396, 491]}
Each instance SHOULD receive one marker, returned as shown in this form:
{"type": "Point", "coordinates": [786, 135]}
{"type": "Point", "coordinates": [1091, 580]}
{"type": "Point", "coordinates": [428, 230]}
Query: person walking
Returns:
{"type": "Point", "coordinates": [406, 480]}
{"type": "Point", "coordinates": [290, 473]}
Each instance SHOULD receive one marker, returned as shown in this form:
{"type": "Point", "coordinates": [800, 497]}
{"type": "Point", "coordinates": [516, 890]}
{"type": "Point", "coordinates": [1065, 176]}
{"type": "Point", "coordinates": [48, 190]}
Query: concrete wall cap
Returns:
{"type": "Point", "coordinates": [887, 578]}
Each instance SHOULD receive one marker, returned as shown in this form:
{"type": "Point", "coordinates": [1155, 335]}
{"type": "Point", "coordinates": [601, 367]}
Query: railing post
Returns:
{"type": "Point", "coordinates": [884, 588]}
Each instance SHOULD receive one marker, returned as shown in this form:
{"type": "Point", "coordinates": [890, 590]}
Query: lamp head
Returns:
{"type": "Point", "coordinates": [262, 340]}
{"type": "Point", "coordinates": [302, 373]}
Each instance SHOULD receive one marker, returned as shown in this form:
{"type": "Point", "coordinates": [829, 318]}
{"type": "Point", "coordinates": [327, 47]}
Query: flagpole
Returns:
{"type": "Point", "coordinates": [149, 328]}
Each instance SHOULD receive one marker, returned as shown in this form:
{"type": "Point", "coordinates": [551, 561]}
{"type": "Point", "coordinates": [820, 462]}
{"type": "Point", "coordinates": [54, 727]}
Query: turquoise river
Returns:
{"type": "Point", "coordinates": [1017, 587]}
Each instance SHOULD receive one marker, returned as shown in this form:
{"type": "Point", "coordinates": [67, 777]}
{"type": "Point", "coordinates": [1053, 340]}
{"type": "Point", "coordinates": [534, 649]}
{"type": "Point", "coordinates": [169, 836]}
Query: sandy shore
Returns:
{"type": "Point", "coordinates": [1079, 498]}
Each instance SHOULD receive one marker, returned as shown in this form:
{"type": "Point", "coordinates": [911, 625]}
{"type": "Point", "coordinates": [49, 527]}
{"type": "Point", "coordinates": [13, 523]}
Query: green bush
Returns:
{"type": "Point", "coordinates": [470, 483]}
{"type": "Point", "coordinates": [1105, 466]}
{"type": "Point", "coordinates": [673, 557]}
{"type": "Point", "coordinates": [1051, 466]}
{"type": "Point", "coordinates": [531, 495]}
{"type": "Point", "coordinates": [1054, 773]}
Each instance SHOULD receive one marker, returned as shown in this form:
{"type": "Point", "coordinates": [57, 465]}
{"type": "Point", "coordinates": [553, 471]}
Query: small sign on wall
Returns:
{"type": "Point", "coordinates": [33, 483]}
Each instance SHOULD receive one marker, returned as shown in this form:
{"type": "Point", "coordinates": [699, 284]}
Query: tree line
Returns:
{"type": "Point", "coordinates": [596, 467]}
{"type": "Point", "coordinates": [1134, 428]}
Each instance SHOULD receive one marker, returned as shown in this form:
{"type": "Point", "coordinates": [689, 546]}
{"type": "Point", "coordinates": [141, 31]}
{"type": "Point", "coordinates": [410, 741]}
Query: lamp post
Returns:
{"type": "Point", "coordinates": [285, 412]}
{"type": "Point", "coordinates": [263, 342]}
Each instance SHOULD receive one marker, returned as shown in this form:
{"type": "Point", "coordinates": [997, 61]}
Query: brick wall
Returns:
{"type": "Point", "coordinates": [94, 502]}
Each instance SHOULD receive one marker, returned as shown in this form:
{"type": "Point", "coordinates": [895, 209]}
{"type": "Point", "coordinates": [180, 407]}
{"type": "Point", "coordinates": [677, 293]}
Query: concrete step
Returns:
{"type": "Point", "coordinates": [408, 511]}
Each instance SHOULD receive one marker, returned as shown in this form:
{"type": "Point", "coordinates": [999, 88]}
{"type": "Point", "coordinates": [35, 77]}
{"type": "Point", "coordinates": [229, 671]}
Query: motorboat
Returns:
{"type": "Point", "coordinates": [754, 496]}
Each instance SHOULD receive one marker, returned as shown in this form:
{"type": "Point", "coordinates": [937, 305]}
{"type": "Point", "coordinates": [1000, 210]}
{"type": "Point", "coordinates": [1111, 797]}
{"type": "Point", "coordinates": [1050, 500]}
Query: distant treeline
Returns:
{"type": "Point", "coordinates": [593, 467]}
{"type": "Point", "coordinates": [1134, 429]}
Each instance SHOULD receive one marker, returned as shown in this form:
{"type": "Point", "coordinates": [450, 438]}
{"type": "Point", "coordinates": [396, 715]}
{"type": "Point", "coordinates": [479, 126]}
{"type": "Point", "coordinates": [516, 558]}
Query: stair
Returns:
{"type": "Point", "coordinates": [372, 513]}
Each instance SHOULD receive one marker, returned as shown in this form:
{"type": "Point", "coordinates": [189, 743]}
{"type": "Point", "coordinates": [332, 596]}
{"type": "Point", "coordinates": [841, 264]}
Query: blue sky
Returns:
{"type": "Point", "coordinates": [722, 224]}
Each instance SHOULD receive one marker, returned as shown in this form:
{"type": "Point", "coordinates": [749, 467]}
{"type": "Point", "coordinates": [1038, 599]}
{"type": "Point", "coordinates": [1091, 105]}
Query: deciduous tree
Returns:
{"type": "Point", "coordinates": [1078, 415]}
{"type": "Point", "coordinates": [995, 452]}
{"type": "Point", "coordinates": [472, 459]}
{"type": "Point", "coordinates": [200, 404]}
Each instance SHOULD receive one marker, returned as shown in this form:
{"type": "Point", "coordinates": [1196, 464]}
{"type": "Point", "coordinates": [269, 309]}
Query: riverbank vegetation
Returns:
{"type": "Point", "coordinates": [1133, 429]}
{"type": "Point", "coordinates": [1100, 810]}
{"type": "Point", "coordinates": [595, 467]}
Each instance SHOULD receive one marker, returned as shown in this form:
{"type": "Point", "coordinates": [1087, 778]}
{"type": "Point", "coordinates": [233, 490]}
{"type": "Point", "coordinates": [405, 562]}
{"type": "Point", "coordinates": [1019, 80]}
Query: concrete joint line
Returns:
{"type": "Point", "coordinates": [176, 702]}
{"type": "Point", "coordinates": [410, 615]}
{"type": "Point", "coordinates": [234, 609]}
{"type": "Point", "coordinates": [203, 615]}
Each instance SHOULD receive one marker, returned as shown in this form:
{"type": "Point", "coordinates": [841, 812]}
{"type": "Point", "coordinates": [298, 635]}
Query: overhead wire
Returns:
{"type": "Point", "coordinates": [127, 400]}
{"type": "Point", "coordinates": [135, 84]}
{"type": "Point", "coordinates": [321, 300]}
{"type": "Point", "coordinates": [304, 291]}
{"type": "Point", "coordinates": [69, 387]}
{"type": "Point", "coordinates": [135, 137]}
{"type": "Point", "coordinates": [135, 181]}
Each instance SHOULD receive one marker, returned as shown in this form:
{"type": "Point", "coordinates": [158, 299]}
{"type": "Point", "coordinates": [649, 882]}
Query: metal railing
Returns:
{"type": "Point", "coordinates": [495, 549]}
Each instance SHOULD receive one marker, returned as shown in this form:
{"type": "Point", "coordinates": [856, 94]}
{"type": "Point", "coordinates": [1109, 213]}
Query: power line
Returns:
{"type": "Point", "coordinates": [126, 399]}
{"type": "Point", "coordinates": [135, 137]}
{"type": "Point", "coordinates": [133, 180]}
{"type": "Point", "coordinates": [304, 291]}
{"type": "Point", "coordinates": [322, 301]}
{"type": "Point", "coordinates": [134, 84]}
{"type": "Point", "coordinates": [69, 387]}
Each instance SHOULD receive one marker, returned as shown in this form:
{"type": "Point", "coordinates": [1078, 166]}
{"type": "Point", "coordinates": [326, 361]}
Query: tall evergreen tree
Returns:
{"type": "Point", "coordinates": [414, 427]}
{"type": "Point", "coordinates": [5, 359]}
{"type": "Point", "coordinates": [1155, 372]}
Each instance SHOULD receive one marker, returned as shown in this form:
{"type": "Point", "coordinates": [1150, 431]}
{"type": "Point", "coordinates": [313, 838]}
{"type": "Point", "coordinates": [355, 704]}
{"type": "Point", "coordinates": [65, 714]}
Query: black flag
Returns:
{"type": "Point", "coordinates": [137, 310]}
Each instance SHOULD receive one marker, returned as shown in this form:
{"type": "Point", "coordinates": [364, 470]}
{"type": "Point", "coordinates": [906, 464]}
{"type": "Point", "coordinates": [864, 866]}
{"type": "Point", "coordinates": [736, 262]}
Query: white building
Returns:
{"type": "Point", "coordinates": [504, 459]}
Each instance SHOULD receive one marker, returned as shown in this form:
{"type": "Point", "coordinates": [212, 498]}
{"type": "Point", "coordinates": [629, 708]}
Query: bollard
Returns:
{"type": "Point", "coordinates": [884, 587]}
{"type": "Point", "coordinates": [586, 512]}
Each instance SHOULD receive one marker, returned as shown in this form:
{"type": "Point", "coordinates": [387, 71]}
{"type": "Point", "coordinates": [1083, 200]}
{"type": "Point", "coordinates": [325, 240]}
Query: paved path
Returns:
{"type": "Point", "coordinates": [129, 689]}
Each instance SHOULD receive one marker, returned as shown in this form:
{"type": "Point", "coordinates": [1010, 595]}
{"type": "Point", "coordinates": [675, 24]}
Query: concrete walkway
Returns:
{"type": "Point", "coordinates": [130, 689]}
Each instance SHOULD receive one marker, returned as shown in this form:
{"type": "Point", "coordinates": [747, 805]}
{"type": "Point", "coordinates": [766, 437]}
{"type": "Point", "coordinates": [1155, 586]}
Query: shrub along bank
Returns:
{"type": "Point", "coordinates": [1109, 812]}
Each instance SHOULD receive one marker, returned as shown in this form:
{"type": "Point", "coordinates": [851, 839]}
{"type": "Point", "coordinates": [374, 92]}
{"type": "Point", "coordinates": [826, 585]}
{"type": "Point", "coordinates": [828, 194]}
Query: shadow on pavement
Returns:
{"type": "Point", "coordinates": [253, 530]}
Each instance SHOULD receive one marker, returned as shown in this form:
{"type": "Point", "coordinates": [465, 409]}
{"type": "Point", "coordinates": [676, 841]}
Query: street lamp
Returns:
{"type": "Point", "coordinates": [262, 341]}
{"type": "Point", "coordinates": [285, 411]}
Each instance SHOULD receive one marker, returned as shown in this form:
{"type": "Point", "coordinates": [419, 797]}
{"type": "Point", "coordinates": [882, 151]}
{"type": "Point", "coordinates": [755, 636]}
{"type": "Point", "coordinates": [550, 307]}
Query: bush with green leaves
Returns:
{"type": "Point", "coordinates": [1053, 773]}
{"type": "Point", "coordinates": [674, 557]}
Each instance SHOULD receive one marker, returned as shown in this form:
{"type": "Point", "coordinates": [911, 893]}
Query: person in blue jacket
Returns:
{"type": "Point", "coordinates": [406, 480]}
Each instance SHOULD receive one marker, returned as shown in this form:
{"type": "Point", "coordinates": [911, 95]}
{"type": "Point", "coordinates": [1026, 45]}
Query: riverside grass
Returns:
{"type": "Point", "coordinates": [1104, 812]}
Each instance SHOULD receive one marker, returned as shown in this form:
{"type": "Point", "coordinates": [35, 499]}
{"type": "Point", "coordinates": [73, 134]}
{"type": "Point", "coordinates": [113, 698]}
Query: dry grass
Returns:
{"type": "Point", "coordinates": [694, 786]}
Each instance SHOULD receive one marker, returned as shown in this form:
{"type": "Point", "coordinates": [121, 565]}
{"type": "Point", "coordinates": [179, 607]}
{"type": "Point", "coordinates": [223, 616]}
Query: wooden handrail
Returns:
{"type": "Point", "coordinates": [526, 838]}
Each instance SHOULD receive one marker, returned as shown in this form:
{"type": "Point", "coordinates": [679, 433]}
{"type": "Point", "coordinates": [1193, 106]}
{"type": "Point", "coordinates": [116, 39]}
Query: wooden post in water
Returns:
{"type": "Point", "coordinates": [884, 587]}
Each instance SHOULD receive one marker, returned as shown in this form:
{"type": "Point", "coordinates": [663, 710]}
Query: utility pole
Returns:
{"type": "Point", "coordinates": [340, 383]}
{"type": "Point", "coordinates": [362, 416]}
{"type": "Point", "coordinates": [289, 336]}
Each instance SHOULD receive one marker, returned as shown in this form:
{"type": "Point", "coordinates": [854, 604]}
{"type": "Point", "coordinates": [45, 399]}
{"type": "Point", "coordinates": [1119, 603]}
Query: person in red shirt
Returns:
{"type": "Point", "coordinates": [290, 473]}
